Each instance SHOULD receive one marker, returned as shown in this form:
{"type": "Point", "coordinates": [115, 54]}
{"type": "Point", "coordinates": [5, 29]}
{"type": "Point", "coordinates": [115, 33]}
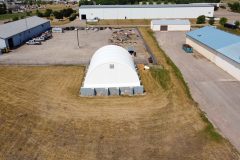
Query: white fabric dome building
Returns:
{"type": "Point", "coordinates": [111, 67]}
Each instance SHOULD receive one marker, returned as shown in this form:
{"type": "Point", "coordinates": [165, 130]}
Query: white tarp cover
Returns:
{"type": "Point", "coordinates": [111, 66]}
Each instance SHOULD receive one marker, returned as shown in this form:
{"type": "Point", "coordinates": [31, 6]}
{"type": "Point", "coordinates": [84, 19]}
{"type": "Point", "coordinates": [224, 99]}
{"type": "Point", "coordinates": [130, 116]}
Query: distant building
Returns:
{"type": "Point", "coordinates": [18, 32]}
{"type": "Point", "coordinates": [220, 47]}
{"type": "Point", "coordinates": [170, 25]}
{"type": "Point", "coordinates": [145, 11]}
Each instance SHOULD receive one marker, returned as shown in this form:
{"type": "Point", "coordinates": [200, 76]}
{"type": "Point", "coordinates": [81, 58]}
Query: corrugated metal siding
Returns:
{"type": "Point", "coordinates": [31, 33]}
{"type": "Point", "coordinates": [146, 13]}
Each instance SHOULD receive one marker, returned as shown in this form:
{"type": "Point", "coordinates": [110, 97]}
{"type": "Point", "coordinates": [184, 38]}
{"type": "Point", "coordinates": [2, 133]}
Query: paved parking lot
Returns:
{"type": "Point", "coordinates": [217, 93]}
{"type": "Point", "coordinates": [63, 49]}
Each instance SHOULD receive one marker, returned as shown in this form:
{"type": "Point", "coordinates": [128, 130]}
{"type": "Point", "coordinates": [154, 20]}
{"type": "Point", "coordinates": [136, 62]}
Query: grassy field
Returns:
{"type": "Point", "coordinates": [43, 117]}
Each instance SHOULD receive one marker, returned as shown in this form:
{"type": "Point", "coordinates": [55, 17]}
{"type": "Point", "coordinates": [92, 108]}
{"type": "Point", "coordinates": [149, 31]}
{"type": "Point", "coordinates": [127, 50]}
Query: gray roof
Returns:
{"type": "Point", "coordinates": [10, 29]}
{"type": "Point", "coordinates": [170, 22]}
{"type": "Point", "coordinates": [147, 6]}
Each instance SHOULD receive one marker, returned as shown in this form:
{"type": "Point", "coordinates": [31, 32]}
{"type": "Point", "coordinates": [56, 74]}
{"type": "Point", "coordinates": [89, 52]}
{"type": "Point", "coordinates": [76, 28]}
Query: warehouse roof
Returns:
{"type": "Point", "coordinates": [147, 6]}
{"type": "Point", "coordinates": [170, 22]}
{"type": "Point", "coordinates": [223, 42]}
{"type": "Point", "coordinates": [10, 29]}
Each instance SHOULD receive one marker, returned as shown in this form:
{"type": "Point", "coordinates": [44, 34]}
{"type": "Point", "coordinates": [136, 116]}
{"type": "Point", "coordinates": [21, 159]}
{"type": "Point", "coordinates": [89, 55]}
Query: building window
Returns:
{"type": "Point", "coordinates": [111, 66]}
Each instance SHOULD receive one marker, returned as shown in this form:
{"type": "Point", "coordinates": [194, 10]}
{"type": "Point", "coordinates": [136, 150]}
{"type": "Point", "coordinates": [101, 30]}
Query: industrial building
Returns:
{"type": "Point", "coordinates": [111, 72]}
{"type": "Point", "coordinates": [220, 47]}
{"type": "Point", "coordinates": [91, 12]}
{"type": "Point", "coordinates": [18, 32]}
{"type": "Point", "coordinates": [170, 25]}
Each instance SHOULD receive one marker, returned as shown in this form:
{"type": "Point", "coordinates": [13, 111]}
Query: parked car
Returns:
{"type": "Point", "coordinates": [33, 42]}
{"type": "Point", "coordinates": [39, 39]}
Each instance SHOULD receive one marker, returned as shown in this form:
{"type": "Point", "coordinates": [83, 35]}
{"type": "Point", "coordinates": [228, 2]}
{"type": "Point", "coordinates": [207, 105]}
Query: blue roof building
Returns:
{"type": "Point", "coordinates": [220, 41]}
{"type": "Point", "coordinates": [220, 47]}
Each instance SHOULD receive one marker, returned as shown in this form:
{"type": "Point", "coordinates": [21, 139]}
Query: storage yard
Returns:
{"type": "Point", "coordinates": [52, 52]}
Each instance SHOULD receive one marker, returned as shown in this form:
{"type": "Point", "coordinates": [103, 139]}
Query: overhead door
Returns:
{"type": "Point", "coordinates": [164, 28]}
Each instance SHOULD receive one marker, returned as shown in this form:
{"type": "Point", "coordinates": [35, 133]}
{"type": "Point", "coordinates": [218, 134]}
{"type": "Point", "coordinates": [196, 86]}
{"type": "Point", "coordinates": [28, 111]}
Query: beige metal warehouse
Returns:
{"type": "Point", "coordinates": [170, 25]}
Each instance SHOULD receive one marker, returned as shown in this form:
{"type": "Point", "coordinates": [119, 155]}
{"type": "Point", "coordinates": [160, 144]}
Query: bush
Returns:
{"type": "Point", "coordinates": [67, 12]}
{"type": "Point", "coordinates": [15, 18]}
{"type": "Point", "coordinates": [237, 23]}
{"type": "Point", "coordinates": [29, 13]}
{"type": "Point", "coordinates": [201, 19]}
{"type": "Point", "coordinates": [22, 17]}
{"type": "Point", "coordinates": [48, 13]}
{"type": "Point", "coordinates": [58, 14]}
{"type": "Point", "coordinates": [235, 7]}
{"type": "Point", "coordinates": [73, 16]}
{"type": "Point", "coordinates": [39, 14]}
{"type": "Point", "coordinates": [223, 20]}
{"type": "Point", "coordinates": [211, 21]}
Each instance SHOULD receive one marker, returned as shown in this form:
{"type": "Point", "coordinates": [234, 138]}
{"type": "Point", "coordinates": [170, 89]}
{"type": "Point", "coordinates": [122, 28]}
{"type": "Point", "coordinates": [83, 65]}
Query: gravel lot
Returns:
{"type": "Point", "coordinates": [217, 93]}
{"type": "Point", "coordinates": [231, 16]}
{"type": "Point", "coordinates": [63, 49]}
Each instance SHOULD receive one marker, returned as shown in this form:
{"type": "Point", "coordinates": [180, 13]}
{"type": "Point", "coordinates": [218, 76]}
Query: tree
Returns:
{"type": "Point", "coordinates": [211, 21]}
{"type": "Point", "coordinates": [223, 20]}
{"type": "Point", "coordinates": [3, 8]}
{"type": "Point", "coordinates": [48, 13]}
{"type": "Point", "coordinates": [58, 15]}
{"type": "Point", "coordinates": [39, 14]}
{"type": "Point", "coordinates": [201, 19]}
{"type": "Point", "coordinates": [67, 12]}
{"type": "Point", "coordinates": [235, 7]}
{"type": "Point", "coordinates": [237, 23]}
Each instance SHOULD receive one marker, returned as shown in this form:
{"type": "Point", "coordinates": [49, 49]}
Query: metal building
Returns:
{"type": "Point", "coordinates": [91, 12]}
{"type": "Point", "coordinates": [170, 25]}
{"type": "Point", "coordinates": [111, 70]}
{"type": "Point", "coordinates": [220, 47]}
{"type": "Point", "coordinates": [18, 32]}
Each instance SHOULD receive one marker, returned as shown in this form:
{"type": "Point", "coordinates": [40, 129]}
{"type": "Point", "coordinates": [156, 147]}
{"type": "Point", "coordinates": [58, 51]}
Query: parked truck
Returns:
{"type": "Point", "coordinates": [187, 48]}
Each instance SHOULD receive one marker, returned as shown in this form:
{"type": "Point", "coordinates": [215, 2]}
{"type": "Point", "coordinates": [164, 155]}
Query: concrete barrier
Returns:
{"type": "Point", "coordinates": [126, 91]}
{"type": "Point", "coordinates": [138, 90]}
{"type": "Point", "coordinates": [113, 91]}
{"type": "Point", "coordinates": [87, 91]}
{"type": "Point", "coordinates": [101, 91]}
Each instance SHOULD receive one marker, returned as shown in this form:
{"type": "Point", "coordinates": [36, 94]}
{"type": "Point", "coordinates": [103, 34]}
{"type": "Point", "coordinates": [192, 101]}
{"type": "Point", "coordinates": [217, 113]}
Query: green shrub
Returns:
{"type": "Point", "coordinates": [237, 23]}
{"type": "Point", "coordinates": [211, 21]}
{"type": "Point", "coordinates": [201, 19]}
{"type": "Point", "coordinates": [15, 18]}
{"type": "Point", "coordinates": [223, 20]}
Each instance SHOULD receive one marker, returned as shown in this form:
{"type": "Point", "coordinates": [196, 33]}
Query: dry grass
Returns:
{"type": "Point", "coordinates": [61, 22]}
{"type": "Point", "coordinates": [42, 117]}
{"type": "Point", "coordinates": [233, 31]}
{"type": "Point", "coordinates": [123, 22]}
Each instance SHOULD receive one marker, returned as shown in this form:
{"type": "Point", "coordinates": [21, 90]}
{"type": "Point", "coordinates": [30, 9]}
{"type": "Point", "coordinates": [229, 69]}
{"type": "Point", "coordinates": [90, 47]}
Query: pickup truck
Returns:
{"type": "Point", "coordinates": [33, 42]}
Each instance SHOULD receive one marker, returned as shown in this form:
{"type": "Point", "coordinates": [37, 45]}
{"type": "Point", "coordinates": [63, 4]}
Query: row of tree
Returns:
{"type": "Point", "coordinates": [67, 13]}
{"type": "Point", "coordinates": [222, 21]}
{"type": "Point", "coordinates": [235, 7]}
